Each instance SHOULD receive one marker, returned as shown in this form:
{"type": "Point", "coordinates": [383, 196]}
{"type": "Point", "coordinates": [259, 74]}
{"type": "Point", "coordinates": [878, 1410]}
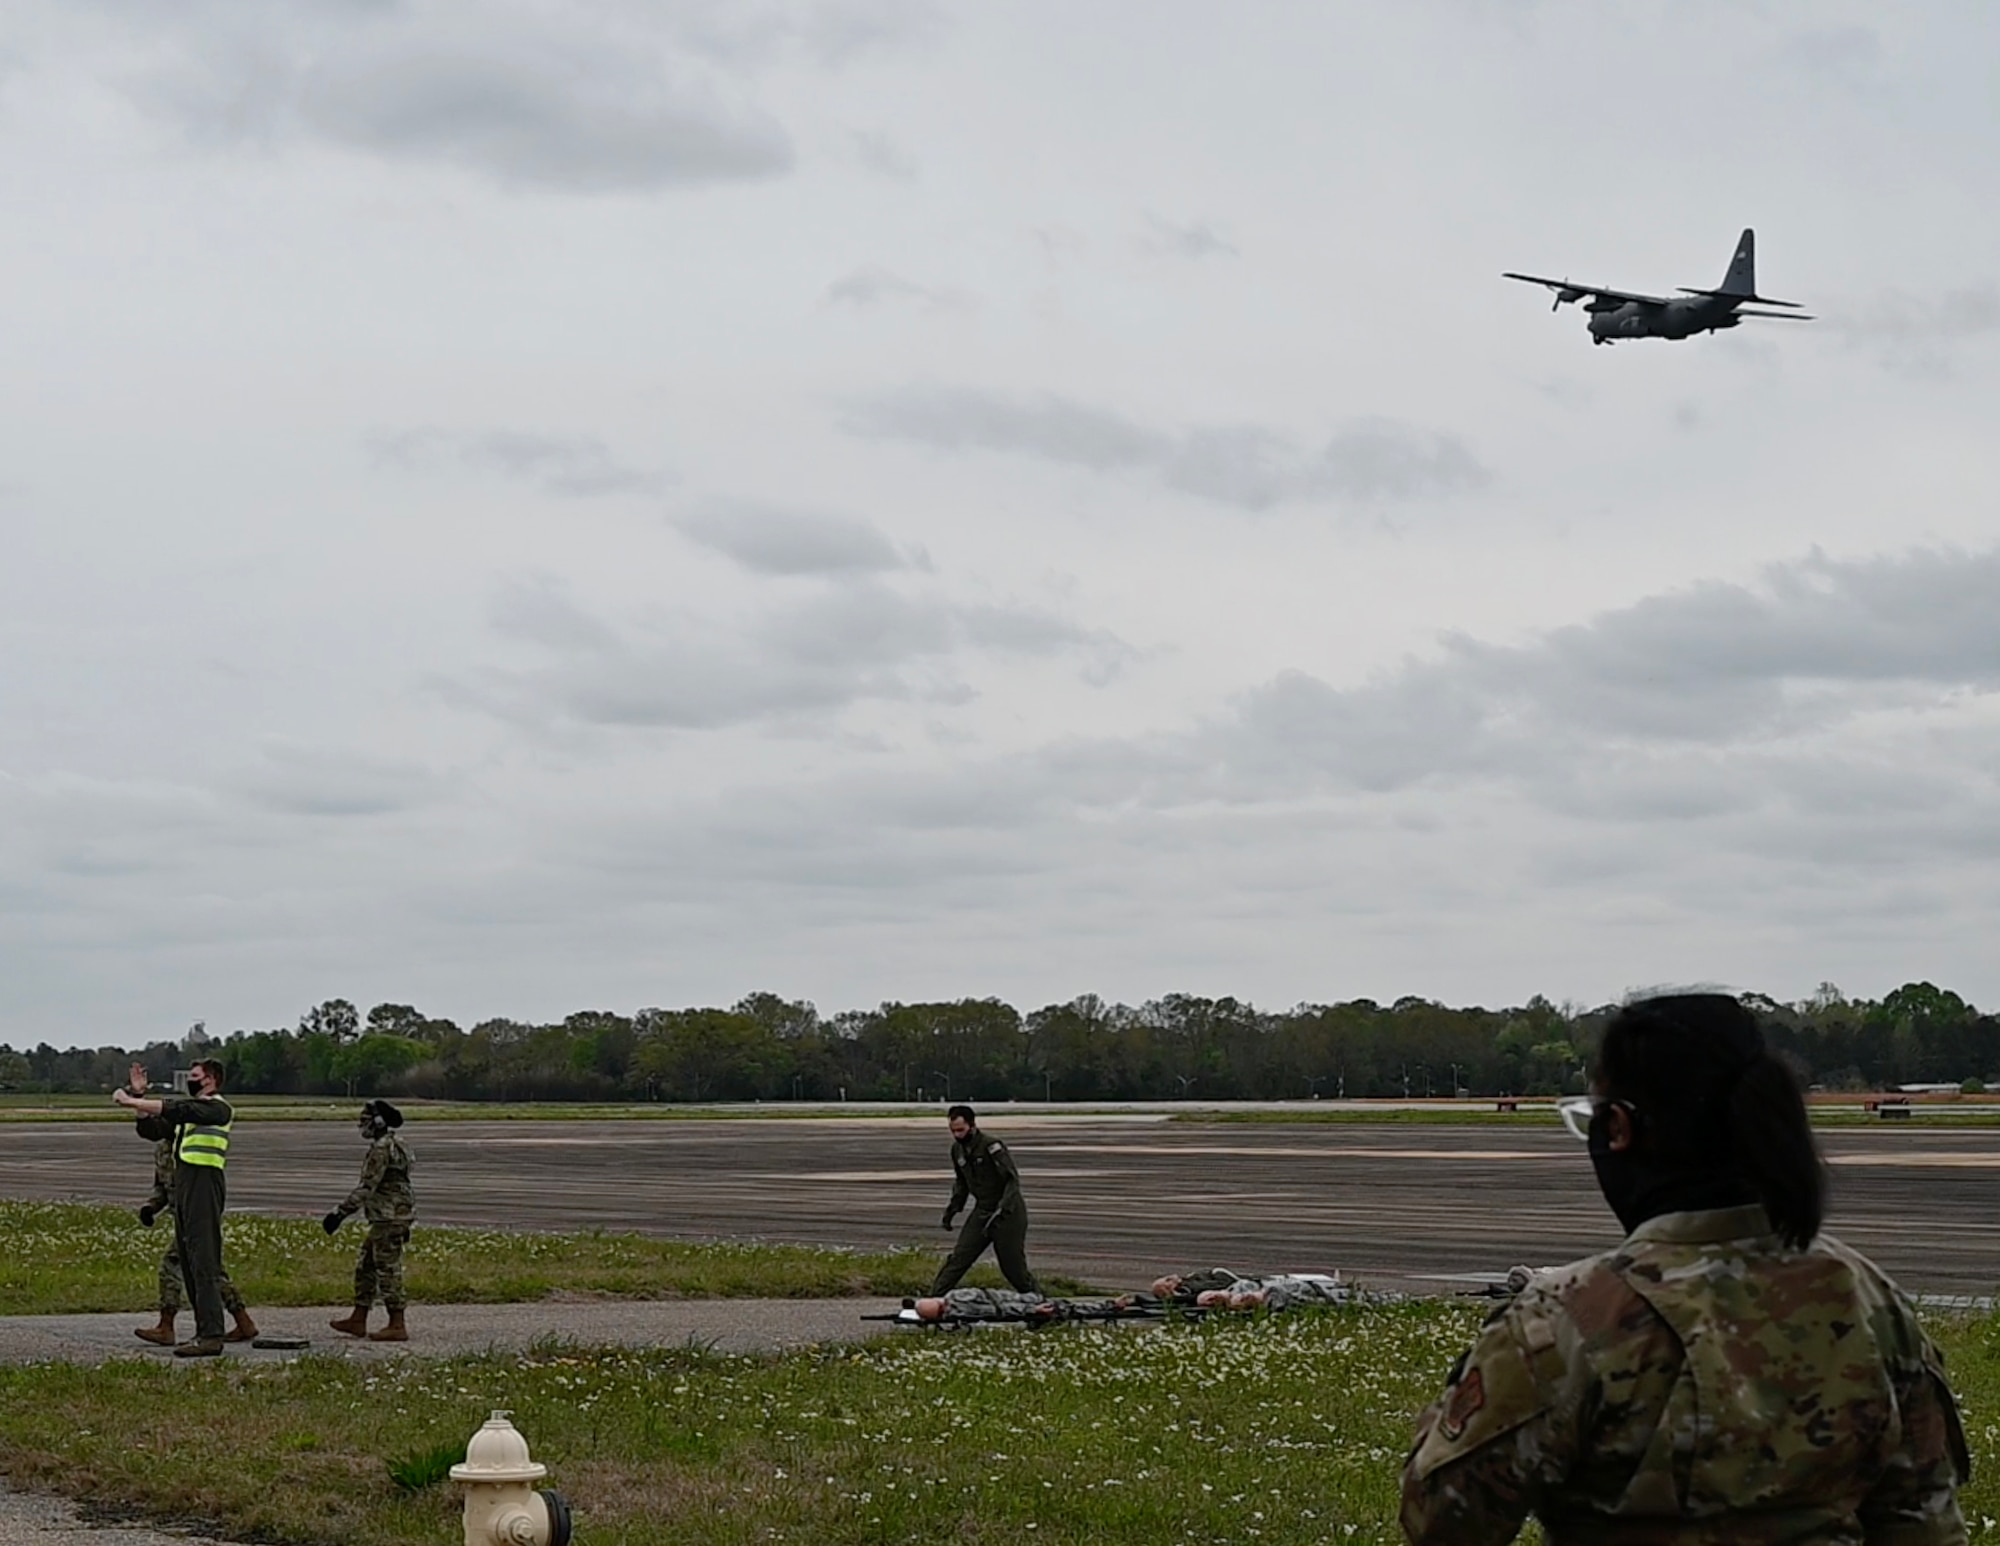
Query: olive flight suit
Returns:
{"type": "Point", "coordinates": [198, 1128]}
{"type": "Point", "coordinates": [173, 1290]}
{"type": "Point", "coordinates": [983, 1170]}
{"type": "Point", "coordinates": [386, 1198]}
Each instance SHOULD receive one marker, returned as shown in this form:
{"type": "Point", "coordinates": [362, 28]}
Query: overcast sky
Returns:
{"type": "Point", "coordinates": [533, 506]}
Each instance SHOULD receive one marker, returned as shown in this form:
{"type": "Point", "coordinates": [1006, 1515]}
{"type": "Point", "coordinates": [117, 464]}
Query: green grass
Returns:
{"type": "Point", "coordinates": [1283, 1430]}
{"type": "Point", "coordinates": [73, 1258]}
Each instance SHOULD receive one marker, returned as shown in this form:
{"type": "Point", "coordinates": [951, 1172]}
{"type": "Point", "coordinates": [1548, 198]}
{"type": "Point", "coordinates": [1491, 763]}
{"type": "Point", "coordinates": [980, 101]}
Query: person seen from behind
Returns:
{"type": "Point", "coordinates": [384, 1193]}
{"type": "Point", "coordinates": [1728, 1373]}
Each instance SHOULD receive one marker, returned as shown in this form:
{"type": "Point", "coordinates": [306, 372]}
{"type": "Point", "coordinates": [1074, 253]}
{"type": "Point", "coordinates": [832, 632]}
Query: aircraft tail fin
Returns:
{"type": "Point", "coordinates": [1742, 276]}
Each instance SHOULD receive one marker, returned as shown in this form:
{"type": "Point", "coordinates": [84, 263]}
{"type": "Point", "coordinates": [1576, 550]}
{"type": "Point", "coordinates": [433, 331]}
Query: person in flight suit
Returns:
{"type": "Point", "coordinates": [385, 1193]}
{"type": "Point", "coordinates": [1728, 1373]}
{"type": "Point", "coordinates": [198, 1124]}
{"type": "Point", "coordinates": [173, 1288]}
{"type": "Point", "coordinates": [983, 1170]}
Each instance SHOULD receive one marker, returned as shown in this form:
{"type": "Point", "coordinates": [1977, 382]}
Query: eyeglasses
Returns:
{"type": "Point", "coordinates": [1577, 1111]}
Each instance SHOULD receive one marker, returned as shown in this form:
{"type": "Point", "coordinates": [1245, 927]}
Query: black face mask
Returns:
{"type": "Point", "coordinates": [1621, 1175]}
{"type": "Point", "coordinates": [1638, 1188]}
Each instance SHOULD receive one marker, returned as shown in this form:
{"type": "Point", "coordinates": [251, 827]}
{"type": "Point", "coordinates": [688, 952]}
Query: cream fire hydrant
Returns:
{"type": "Point", "coordinates": [500, 1508]}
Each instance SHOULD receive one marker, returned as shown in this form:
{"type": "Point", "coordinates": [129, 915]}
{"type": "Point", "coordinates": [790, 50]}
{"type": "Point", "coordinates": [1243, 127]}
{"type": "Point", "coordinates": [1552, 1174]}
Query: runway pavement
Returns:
{"type": "Point", "coordinates": [1114, 1200]}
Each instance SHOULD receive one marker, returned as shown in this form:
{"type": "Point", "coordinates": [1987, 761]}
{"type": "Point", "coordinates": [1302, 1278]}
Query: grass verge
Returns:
{"type": "Point", "coordinates": [1280, 1430]}
{"type": "Point", "coordinates": [74, 1258]}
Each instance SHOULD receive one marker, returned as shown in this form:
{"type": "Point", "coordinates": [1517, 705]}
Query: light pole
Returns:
{"type": "Point", "coordinates": [947, 1083]}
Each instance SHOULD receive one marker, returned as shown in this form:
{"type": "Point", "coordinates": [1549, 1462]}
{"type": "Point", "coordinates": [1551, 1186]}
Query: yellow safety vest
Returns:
{"type": "Point", "coordinates": [201, 1144]}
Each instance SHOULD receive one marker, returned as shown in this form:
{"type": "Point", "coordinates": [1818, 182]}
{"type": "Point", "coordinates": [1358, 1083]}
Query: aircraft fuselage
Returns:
{"type": "Point", "coordinates": [1679, 318]}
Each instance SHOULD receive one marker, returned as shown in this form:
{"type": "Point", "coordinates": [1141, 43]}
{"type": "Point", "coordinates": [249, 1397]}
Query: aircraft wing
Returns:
{"type": "Point", "coordinates": [1567, 290]}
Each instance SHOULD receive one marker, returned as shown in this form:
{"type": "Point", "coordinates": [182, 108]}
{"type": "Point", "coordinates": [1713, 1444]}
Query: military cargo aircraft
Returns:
{"type": "Point", "coordinates": [1616, 314]}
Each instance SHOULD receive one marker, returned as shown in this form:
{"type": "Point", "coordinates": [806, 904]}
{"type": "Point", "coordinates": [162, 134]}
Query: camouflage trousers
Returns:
{"type": "Point", "coordinates": [379, 1272]}
{"type": "Point", "coordinates": [173, 1289]}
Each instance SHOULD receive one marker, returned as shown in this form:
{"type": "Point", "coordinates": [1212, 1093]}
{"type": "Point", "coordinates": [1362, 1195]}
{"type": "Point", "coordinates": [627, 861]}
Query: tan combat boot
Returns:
{"type": "Point", "coordinates": [353, 1325]}
{"type": "Point", "coordinates": [200, 1347]}
{"type": "Point", "coordinates": [395, 1331]}
{"type": "Point", "coordinates": [244, 1330]}
{"type": "Point", "coordinates": [161, 1335]}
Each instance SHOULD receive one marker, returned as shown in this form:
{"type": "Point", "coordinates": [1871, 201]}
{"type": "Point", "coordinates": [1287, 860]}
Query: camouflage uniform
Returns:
{"type": "Point", "coordinates": [385, 1194]}
{"type": "Point", "coordinates": [1702, 1383]}
{"type": "Point", "coordinates": [173, 1290]}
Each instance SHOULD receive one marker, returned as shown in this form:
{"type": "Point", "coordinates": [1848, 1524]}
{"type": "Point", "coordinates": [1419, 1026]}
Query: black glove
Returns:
{"type": "Point", "coordinates": [332, 1221]}
{"type": "Point", "coordinates": [950, 1219]}
{"type": "Point", "coordinates": [147, 1214]}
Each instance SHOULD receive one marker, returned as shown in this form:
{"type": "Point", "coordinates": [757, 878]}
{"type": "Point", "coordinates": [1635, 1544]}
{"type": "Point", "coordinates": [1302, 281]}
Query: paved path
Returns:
{"type": "Point", "coordinates": [30, 1519]}
{"type": "Point", "coordinates": [727, 1325]}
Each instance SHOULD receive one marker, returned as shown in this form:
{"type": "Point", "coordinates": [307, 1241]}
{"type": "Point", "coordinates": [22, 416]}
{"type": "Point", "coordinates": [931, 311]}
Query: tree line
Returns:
{"type": "Point", "coordinates": [767, 1048]}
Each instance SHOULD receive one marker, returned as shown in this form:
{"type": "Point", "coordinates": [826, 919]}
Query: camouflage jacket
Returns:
{"type": "Point", "coordinates": [982, 1167]}
{"type": "Point", "coordinates": [161, 1198]}
{"type": "Point", "coordinates": [1703, 1383]}
{"type": "Point", "coordinates": [385, 1184]}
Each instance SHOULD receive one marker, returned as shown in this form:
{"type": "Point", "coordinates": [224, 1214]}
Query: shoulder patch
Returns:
{"type": "Point", "coordinates": [1495, 1392]}
{"type": "Point", "coordinates": [1463, 1405]}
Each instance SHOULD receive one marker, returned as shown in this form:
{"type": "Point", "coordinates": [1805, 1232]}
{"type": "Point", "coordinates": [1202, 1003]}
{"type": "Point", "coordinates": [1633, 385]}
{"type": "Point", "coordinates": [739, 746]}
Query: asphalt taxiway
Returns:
{"type": "Point", "coordinates": [1114, 1200]}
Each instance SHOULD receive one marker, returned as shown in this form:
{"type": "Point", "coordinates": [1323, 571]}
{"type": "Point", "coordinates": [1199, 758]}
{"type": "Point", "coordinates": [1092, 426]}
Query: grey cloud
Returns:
{"type": "Point", "coordinates": [837, 32]}
{"type": "Point", "coordinates": [960, 419]}
{"type": "Point", "coordinates": [1195, 239]}
{"type": "Point", "coordinates": [849, 643]}
{"type": "Point", "coordinates": [871, 285]}
{"type": "Point", "coordinates": [1916, 335]}
{"type": "Point", "coordinates": [302, 780]}
{"type": "Point", "coordinates": [1243, 465]}
{"type": "Point", "coordinates": [580, 466]}
{"type": "Point", "coordinates": [1678, 707]}
{"type": "Point", "coordinates": [1819, 641]}
{"type": "Point", "coordinates": [586, 107]}
{"type": "Point", "coordinates": [770, 540]}
{"type": "Point", "coordinates": [548, 112]}
{"type": "Point", "coordinates": [1848, 57]}
{"type": "Point", "coordinates": [747, 34]}
{"type": "Point", "coordinates": [881, 153]}
{"type": "Point", "coordinates": [1393, 461]}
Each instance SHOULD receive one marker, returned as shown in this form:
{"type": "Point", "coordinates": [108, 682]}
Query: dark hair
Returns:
{"type": "Point", "coordinates": [1710, 1095]}
{"type": "Point", "coordinates": [962, 1111]}
{"type": "Point", "coordinates": [384, 1113]}
{"type": "Point", "coordinates": [214, 1068]}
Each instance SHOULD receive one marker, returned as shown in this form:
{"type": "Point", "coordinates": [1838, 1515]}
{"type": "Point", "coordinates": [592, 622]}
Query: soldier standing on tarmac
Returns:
{"type": "Point", "coordinates": [386, 1195]}
{"type": "Point", "coordinates": [1728, 1373]}
{"type": "Point", "coordinates": [198, 1125]}
{"type": "Point", "coordinates": [983, 1170]}
{"type": "Point", "coordinates": [173, 1291]}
